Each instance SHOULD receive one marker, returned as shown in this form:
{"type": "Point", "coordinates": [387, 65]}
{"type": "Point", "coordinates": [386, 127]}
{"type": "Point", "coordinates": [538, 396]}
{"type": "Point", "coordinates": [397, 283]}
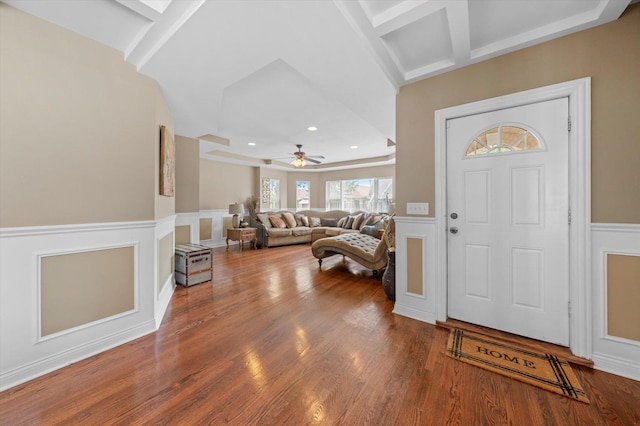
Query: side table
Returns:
{"type": "Point", "coordinates": [241, 235]}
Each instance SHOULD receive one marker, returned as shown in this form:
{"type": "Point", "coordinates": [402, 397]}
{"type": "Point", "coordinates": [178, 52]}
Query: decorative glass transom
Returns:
{"type": "Point", "coordinates": [503, 139]}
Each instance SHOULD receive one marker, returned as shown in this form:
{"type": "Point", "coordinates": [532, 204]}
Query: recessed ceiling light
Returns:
{"type": "Point", "coordinates": [354, 146]}
{"type": "Point", "coordinates": [312, 128]}
{"type": "Point", "coordinates": [251, 144]}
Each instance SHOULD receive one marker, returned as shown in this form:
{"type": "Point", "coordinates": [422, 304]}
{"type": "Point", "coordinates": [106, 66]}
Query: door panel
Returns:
{"type": "Point", "coordinates": [508, 260]}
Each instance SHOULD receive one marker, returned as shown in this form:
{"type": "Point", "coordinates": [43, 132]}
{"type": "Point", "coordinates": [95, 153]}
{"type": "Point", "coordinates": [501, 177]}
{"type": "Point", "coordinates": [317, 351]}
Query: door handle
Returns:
{"type": "Point", "coordinates": [453, 230]}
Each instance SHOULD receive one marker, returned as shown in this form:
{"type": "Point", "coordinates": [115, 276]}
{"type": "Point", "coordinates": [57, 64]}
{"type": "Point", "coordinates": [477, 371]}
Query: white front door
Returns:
{"type": "Point", "coordinates": [507, 217]}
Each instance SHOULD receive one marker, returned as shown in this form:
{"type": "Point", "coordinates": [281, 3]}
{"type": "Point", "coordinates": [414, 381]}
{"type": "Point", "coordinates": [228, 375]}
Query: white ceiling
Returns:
{"type": "Point", "coordinates": [263, 71]}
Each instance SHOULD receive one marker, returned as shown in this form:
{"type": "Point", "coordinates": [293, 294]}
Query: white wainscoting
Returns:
{"type": "Point", "coordinates": [163, 228]}
{"type": "Point", "coordinates": [216, 216]}
{"type": "Point", "coordinates": [612, 354]}
{"type": "Point", "coordinates": [193, 220]}
{"type": "Point", "coordinates": [22, 355]}
{"type": "Point", "coordinates": [421, 307]}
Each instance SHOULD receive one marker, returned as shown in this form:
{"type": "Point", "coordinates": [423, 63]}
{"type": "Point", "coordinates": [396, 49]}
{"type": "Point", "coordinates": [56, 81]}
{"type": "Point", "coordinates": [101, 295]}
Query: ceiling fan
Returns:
{"type": "Point", "coordinates": [301, 158]}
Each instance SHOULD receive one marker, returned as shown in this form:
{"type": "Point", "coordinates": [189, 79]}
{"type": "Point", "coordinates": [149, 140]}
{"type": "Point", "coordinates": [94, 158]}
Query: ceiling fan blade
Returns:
{"type": "Point", "coordinates": [313, 161]}
{"type": "Point", "coordinates": [319, 157]}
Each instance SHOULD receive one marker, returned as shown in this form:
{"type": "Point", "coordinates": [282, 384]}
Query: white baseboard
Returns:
{"type": "Point", "coordinates": [617, 366]}
{"type": "Point", "coordinates": [415, 314]}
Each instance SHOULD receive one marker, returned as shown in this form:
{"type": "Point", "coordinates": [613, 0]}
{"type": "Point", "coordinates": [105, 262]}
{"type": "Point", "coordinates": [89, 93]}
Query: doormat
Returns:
{"type": "Point", "coordinates": [539, 369]}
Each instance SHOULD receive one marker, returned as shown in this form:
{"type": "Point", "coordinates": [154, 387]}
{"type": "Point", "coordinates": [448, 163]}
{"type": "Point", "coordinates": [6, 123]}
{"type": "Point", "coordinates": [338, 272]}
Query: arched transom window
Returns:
{"type": "Point", "coordinates": [503, 139]}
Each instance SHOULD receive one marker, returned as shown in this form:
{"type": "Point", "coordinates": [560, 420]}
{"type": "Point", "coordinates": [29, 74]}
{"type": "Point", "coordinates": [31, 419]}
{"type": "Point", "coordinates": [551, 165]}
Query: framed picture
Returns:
{"type": "Point", "coordinates": [167, 163]}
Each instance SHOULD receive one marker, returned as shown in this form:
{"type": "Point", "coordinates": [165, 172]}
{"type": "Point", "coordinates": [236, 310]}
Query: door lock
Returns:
{"type": "Point", "coordinates": [454, 215]}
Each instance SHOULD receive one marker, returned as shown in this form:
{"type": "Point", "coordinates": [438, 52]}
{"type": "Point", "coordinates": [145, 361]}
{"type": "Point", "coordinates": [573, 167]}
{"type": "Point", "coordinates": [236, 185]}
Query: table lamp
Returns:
{"type": "Point", "coordinates": [235, 210]}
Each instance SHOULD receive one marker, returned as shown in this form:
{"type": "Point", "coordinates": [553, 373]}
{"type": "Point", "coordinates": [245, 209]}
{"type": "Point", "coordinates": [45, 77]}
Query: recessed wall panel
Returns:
{"type": "Point", "coordinates": [527, 270]}
{"type": "Point", "coordinates": [80, 288]}
{"type": "Point", "coordinates": [205, 229]}
{"type": "Point", "coordinates": [166, 255]}
{"type": "Point", "coordinates": [414, 267]}
{"type": "Point", "coordinates": [183, 234]}
{"type": "Point", "coordinates": [227, 222]}
{"type": "Point", "coordinates": [623, 296]}
{"type": "Point", "coordinates": [476, 196]}
{"type": "Point", "coordinates": [527, 197]}
{"type": "Point", "coordinates": [478, 271]}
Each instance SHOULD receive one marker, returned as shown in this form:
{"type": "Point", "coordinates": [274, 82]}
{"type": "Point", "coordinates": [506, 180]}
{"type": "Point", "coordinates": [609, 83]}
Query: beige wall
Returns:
{"type": "Point", "coordinates": [164, 205]}
{"type": "Point", "coordinates": [100, 282]}
{"type": "Point", "coordinates": [222, 184]}
{"type": "Point", "coordinates": [78, 127]}
{"type": "Point", "coordinates": [608, 54]}
{"type": "Point", "coordinates": [187, 175]}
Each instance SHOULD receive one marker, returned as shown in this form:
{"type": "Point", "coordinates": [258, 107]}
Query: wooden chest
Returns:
{"type": "Point", "coordinates": [192, 264]}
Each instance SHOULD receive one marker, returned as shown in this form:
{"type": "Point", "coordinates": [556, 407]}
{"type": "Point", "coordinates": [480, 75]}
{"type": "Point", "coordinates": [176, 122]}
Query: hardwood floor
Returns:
{"type": "Point", "coordinates": [273, 340]}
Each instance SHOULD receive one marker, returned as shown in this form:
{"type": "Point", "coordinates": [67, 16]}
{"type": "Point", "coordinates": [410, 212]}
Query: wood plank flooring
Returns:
{"type": "Point", "coordinates": [273, 340]}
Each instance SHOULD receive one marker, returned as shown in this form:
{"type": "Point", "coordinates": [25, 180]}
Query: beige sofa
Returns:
{"type": "Point", "coordinates": [305, 226]}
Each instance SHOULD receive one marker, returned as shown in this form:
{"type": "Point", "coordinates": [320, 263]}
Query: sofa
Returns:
{"type": "Point", "coordinates": [284, 227]}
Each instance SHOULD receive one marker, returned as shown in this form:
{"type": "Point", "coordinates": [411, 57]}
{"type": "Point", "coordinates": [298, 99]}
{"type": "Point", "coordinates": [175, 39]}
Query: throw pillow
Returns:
{"type": "Point", "coordinates": [305, 221]}
{"type": "Point", "coordinates": [329, 221]}
{"type": "Point", "coordinates": [369, 230]}
{"type": "Point", "coordinates": [342, 222]}
{"type": "Point", "coordinates": [289, 220]}
{"type": "Point", "coordinates": [264, 219]}
{"type": "Point", "coordinates": [356, 221]}
{"type": "Point", "coordinates": [314, 222]}
{"type": "Point", "coordinates": [299, 221]}
{"type": "Point", "coordinates": [277, 221]}
{"type": "Point", "coordinates": [349, 223]}
{"type": "Point", "coordinates": [365, 220]}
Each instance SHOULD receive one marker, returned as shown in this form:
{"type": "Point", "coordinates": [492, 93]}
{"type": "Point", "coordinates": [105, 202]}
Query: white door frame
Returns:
{"type": "Point", "coordinates": [579, 94]}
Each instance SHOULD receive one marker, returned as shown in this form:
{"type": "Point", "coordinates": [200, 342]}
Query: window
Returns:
{"type": "Point", "coordinates": [370, 194]}
{"type": "Point", "coordinates": [503, 139]}
{"type": "Point", "coordinates": [270, 194]}
{"type": "Point", "coordinates": [303, 193]}
{"type": "Point", "coordinates": [274, 192]}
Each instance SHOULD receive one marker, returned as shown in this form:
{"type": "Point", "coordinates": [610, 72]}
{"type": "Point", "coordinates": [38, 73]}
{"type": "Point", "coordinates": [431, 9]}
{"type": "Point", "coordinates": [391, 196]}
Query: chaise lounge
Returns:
{"type": "Point", "coordinates": [368, 251]}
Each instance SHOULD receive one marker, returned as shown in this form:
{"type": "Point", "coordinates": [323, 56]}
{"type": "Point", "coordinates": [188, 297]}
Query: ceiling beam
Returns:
{"type": "Point", "coordinates": [356, 17]}
{"type": "Point", "coordinates": [404, 14]}
{"type": "Point", "coordinates": [150, 40]}
{"type": "Point", "coordinates": [458, 19]}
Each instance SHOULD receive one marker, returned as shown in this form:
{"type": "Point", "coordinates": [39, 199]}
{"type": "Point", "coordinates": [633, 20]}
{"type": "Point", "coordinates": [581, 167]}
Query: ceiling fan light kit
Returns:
{"type": "Point", "coordinates": [301, 158]}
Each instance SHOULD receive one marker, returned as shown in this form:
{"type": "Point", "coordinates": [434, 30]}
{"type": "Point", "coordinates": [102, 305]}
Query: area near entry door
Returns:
{"type": "Point", "coordinates": [508, 220]}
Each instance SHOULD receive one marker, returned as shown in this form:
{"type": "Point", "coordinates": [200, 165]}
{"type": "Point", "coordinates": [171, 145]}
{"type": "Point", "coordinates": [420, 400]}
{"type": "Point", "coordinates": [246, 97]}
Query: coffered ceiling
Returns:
{"type": "Point", "coordinates": [235, 72]}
